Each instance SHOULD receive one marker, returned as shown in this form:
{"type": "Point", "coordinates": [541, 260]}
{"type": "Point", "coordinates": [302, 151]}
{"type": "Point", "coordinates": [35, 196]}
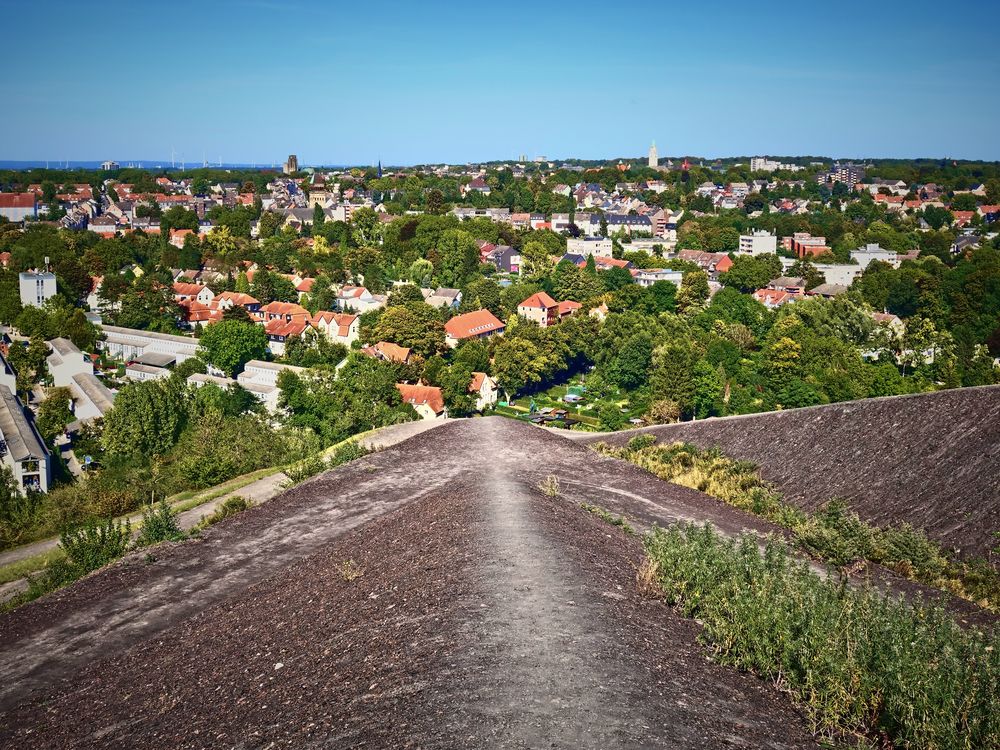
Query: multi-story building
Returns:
{"type": "Point", "coordinates": [292, 165]}
{"type": "Point", "coordinates": [871, 252]}
{"type": "Point", "coordinates": [599, 246]}
{"type": "Point", "coordinates": [761, 242]}
{"type": "Point", "coordinates": [804, 244]}
{"type": "Point", "coordinates": [850, 174]}
{"type": "Point", "coordinates": [37, 287]}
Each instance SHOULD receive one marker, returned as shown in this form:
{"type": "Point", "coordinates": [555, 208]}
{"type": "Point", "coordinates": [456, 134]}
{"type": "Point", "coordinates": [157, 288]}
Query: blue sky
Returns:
{"type": "Point", "coordinates": [413, 82]}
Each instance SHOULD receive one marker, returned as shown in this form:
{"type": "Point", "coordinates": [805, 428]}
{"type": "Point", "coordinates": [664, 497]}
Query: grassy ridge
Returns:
{"type": "Point", "coordinates": [835, 534]}
{"type": "Point", "coordinates": [859, 663]}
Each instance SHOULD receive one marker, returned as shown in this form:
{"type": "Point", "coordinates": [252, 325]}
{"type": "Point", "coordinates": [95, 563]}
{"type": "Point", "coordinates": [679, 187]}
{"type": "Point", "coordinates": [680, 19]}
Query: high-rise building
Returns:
{"type": "Point", "coordinates": [292, 165]}
{"type": "Point", "coordinates": [654, 159]}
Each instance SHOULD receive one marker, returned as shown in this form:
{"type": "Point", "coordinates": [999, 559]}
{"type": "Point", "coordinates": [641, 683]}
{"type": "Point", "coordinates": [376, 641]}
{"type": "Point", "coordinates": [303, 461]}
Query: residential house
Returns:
{"type": "Point", "coordinates": [184, 291]}
{"type": "Point", "coordinates": [711, 263]}
{"type": "Point", "coordinates": [863, 256]}
{"type": "Point", "coordinates": [505, 258]}
{"type": "Point", "coordinates": [479, 324]}
{"type": "Point", "coordinates": [179, 236]}
{"type": "Point", "coordinates": [358, 299]}
{"type": "Point", "coordinates": [427, 400]}
{"type": "Point", "coordinates": [17, 207]}
{"type": "Point", "coordinates": [793, 285]}
{"type": "Point", "coordinates": [388, 352]}
{"type": "Point", "coordinates": [989, 213]}
{"type": "Point", "coordinates": [443, 297]}
{"type": "Point", "coordinates": [485, 389]}
{"type": "Point", "coordinates": [239, 299]}
{"type": "Point", "coordinates": [540, 309]}
{"type": "Point", "coordinates": [646, 277]}
{"type": "Point", "coordinates": [477, 185]}
{"type": "Point", "coordinates": [773, 298]}
{"type": "Point", "coordinates": [25, 454]}
{"type": "Point", "coordinates": [827, 290]}
{"type": "Point", "coordinates": [342, 328]}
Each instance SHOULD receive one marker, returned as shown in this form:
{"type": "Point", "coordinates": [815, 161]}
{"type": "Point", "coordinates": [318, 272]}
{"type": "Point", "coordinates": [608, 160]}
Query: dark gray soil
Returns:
{"type": "Point", "coordinates": [932, 460]}
{"type": "Point", "coordinates": [487, 615]}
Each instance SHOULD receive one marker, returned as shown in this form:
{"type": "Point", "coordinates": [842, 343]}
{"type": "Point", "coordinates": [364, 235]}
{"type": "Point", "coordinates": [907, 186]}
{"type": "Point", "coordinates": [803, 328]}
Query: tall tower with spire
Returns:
{"type": "Point", "coordinates": [654, 159]}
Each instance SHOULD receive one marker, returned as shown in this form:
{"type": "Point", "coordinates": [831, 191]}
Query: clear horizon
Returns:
{"type": "Point", "coordinates": [245, 81]}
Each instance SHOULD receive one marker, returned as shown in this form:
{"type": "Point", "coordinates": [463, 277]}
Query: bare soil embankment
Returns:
{"type": "Point", "coordinates": [932, 460]}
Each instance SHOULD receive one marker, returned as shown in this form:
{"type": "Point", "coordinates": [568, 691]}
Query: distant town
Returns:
{"type": "Point", "coordinates": [307, 305]}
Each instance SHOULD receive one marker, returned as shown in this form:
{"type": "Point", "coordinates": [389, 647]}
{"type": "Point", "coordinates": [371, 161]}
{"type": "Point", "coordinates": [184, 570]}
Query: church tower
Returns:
{"type": "Point", "coordinates": [654, 159]}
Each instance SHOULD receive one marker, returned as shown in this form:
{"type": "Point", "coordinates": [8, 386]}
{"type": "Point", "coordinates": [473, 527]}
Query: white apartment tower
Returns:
{"type": "Point", "coordinates": [654, 159]}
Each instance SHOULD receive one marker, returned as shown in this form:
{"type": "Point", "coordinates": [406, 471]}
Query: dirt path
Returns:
{"type": "Point", "coordinates": [484, 615]}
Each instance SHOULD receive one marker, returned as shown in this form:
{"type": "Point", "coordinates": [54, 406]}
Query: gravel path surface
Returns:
{"type": "Point", "coordinates": [424, 596]}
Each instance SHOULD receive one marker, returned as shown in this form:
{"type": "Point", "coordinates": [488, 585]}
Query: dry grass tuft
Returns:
{"type": "Point", "coordinates": [647, 579]}
{"type": "Point", "coordinates": [350, 571]}
{"type": "Point", "coordinates": [549, 486]}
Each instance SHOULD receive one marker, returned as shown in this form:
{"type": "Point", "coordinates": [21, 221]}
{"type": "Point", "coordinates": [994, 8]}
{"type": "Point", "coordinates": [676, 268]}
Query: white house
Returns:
{"type": "Point", "coordinates": [358, 299]}
{"type": "Point", "coordinates": [485, 390]}
{"type": "Point", "coordinates": [649, 276]}
{"type": "Point", "coordinates": [26, 454]}
{"type": "Point", "coordinates": [585, 246]}
{"type": "Point", "coordinates": [66, 361]}
{"type": "Point", "coordinates": [91, 398]}
{"type": "Point", "coordinates": [139, 371]}
{"type": "Point", "coordinates": [343, 328]}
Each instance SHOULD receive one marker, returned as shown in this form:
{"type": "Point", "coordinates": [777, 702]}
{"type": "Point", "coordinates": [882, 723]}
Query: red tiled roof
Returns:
{"type": "Point", "coordinates": [418, 395]}
{"type": "Point", "coordinates": [475, 323]}
{"type": "Point", "coordinates": [539, 300]}
{"type": "Point", "coordinates": [17, 200]}
{"type": "Point", "coordinates": [188, 290]}
{"type": "Point", "coordinates": [238, 298]}
{"type": "Point", "coordinates": [568, 306]}
{"type": "Point", "coordinates": [282, 328]}
{"type": "Point", "coordinates": [284, 308]}
{"type": "Point", "coordinates": [392, 352]}
{"type": "Point", "coordinates": [477, 382]}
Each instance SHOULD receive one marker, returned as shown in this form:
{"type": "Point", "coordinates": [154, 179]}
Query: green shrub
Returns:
{"type": "Point", "coordinates": [159, 524]}
{"type": "Point", "coordinates": [608, 517]}
{"type": "Point", "coordinates": [306, 468]}
{"type": "Point", "coordinates": [229, 507]}
{"type": "Point", "coordinates": [347, 452]}
{"type": "Point", "coordinates": [316, 464]}
{"type": "Point", "coordinates": [95, 544]}
{"type": "Point", "coordinates": [859, 663]}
